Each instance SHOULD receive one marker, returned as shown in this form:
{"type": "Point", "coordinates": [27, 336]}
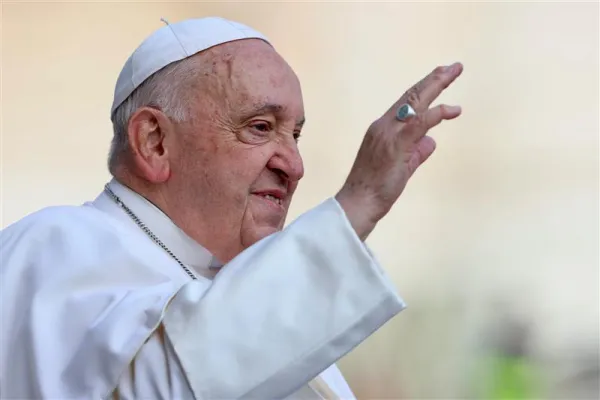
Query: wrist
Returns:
{"type": "Point", "coordinates": [359, 213]}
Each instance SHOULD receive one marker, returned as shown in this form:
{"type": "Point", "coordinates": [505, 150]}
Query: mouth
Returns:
{"type": "Point", "coordinates": [275, 197]}
{"type": "Point", "coordinates": [272, 198]}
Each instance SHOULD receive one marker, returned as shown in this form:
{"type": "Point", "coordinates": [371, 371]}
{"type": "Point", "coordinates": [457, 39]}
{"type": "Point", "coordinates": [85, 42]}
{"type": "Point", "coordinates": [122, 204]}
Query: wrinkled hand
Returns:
{"type": "Point", "coordinates": [392, 151]}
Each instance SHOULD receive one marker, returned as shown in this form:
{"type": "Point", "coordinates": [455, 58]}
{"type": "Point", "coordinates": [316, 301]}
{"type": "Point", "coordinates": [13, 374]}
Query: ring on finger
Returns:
{"type": "Point", "coordinates": [404, 112]}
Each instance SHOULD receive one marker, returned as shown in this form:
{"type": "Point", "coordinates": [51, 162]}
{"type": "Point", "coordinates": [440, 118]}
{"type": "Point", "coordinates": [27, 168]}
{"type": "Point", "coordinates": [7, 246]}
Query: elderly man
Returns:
{"type": "Point", "coordinates": [179, 281]}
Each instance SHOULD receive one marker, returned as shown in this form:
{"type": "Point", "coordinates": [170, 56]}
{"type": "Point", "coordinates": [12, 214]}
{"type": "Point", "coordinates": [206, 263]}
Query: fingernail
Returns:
{"type": "Point", "coordinates": [455, 108]}
{"type": "Point", "coordinates": [449, 67]}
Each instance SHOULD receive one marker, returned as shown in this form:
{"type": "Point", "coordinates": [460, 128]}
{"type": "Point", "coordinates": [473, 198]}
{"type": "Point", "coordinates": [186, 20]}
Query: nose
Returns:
{"type": "Point", "coordinates": [287, 161]}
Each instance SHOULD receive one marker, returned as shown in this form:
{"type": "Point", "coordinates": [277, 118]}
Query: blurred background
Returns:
{"type": "Point", "coordinates": [494, 244]}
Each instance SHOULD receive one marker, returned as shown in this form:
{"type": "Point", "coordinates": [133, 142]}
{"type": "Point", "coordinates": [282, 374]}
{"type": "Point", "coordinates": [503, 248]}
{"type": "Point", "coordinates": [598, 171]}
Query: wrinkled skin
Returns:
{"type": "Point", "coordinates": [393, 150]}
{"type": "Point", "coordinates": [211, 173]}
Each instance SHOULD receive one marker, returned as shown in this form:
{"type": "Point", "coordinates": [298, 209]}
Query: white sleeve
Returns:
{"type": "Point", "coordinates": [282, 311]}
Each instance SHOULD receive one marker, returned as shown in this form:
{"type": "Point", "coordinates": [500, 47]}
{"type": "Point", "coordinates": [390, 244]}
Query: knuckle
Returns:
{"type": "Point", "coordinates": [445, 111]}
{"type": "Point", "coordinates": [438, 71]}
{"type": "Point", "coordinates": [437, 78]}
{"type": "Point", "coordinates": [436, 115]}
{"type": "Point", "coordinates": [413, 97]}
{"type": "Point", "coordinates": [376, 128]}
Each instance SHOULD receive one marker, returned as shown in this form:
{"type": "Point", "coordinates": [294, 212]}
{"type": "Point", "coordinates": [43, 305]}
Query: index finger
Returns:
{"type": "Point", "coordinates": [421, 95]}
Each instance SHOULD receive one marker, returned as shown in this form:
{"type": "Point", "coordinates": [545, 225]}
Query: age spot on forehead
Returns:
{"type": "Point", "coordinates": [250, 73]}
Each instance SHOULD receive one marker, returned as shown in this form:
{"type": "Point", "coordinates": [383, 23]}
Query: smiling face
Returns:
{"type": "Point", "coordinates": [234, 165]}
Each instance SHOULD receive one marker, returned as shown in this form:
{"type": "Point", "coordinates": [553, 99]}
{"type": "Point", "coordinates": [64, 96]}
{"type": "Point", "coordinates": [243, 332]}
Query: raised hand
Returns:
{"type": "Point", "coordinates": [392, 150]}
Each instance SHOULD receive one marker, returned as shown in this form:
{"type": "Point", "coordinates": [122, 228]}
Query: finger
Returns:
{"type": "Point", "coordinates": [424, 148]}
{"type": "Point", "coordinates": [418, 126]}
{"type": "Point", "coordinates": [434, 116]}
{"type": "Point", "coordinates": [437, 82]}
{"type": "Point", "coordinates": [421, 95]}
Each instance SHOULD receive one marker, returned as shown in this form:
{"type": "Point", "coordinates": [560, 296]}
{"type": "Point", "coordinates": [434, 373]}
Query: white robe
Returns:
{"type": "Point", "coordinates": [92, 308]}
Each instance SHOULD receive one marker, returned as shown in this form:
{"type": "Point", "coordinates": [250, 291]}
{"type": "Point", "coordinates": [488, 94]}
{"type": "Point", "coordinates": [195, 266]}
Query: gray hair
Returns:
{"type": "Point", "coordinates": [164, 90]}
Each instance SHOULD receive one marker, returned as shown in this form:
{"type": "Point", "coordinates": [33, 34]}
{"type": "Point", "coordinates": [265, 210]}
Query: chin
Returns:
{"type": "Point", "coordinates": [257, 234]}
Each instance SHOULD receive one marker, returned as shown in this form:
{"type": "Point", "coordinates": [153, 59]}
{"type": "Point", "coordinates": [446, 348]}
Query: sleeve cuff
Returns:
{"type": "Point", "coordinates": [282, 311]}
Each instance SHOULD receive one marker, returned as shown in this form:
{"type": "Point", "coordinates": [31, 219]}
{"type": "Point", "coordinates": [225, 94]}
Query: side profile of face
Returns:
{"type": "Point", "coordinates": [227, 175]}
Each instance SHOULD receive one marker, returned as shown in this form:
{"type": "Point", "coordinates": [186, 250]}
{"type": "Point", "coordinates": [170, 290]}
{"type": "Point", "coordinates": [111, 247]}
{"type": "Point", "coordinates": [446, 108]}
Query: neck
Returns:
{"type": "Point", "coordinates": [150, 192]}
{"type": "Point", "coordinates": [211, 238]}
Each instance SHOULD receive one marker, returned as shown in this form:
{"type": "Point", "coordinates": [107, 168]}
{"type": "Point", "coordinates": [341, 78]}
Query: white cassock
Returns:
{"type": "Point", "coordinates": [92, 308]}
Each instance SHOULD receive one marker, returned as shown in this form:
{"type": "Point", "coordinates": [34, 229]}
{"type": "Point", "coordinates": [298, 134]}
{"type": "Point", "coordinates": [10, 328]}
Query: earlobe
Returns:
{"type": "Point", "coordinates": [147, 130]}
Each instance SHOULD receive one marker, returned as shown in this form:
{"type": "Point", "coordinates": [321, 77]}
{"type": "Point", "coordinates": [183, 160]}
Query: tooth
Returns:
{"type": "Point", "coordinates": [272, 198]}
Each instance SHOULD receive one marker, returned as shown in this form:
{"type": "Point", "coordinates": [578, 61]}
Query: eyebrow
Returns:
{"type": "Point", "coordinates": [271, 108]}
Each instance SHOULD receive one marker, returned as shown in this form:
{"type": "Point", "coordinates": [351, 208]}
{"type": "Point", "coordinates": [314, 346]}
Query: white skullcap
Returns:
{"type": "Point", "coordinates": [175, 42]}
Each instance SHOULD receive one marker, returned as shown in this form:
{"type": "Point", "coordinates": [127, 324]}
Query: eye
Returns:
{"type": "Point", "coordinates": [262, 126]}
{"type": "Point", "coordinates": [297, 136]}
{"type": "Point", "coordinates": [257, 132]}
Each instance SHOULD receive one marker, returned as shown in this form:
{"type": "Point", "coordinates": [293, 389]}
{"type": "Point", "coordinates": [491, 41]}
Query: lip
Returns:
{"type": "Point", "coordinates": [278, 194]}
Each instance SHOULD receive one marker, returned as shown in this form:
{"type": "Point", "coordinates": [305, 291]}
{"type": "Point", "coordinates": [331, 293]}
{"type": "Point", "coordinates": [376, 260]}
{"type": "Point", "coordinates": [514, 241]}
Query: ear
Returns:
{"type": "Point", "coordinates": [147, 131]}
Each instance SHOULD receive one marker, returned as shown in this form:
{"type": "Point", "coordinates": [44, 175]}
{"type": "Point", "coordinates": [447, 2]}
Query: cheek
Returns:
{"type": "Point", "coordinates": [251, 163]}
{"type": "Point", "coordinates": [231, 175]}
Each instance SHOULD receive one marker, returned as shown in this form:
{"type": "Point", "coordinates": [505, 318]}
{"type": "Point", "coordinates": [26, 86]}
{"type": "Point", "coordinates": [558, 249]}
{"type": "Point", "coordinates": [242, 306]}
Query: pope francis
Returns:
{"type": "Point", "coordinates": [179, 281]}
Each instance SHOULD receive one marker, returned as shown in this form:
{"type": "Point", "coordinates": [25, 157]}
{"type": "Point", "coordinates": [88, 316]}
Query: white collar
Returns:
{"type": "Point", "coordinates": [186, 249]}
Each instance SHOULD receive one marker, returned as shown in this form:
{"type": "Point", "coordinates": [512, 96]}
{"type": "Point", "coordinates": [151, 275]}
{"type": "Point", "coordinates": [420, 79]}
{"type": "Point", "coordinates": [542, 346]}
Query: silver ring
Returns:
{"type": "Point", "coordinates": [404, 112]}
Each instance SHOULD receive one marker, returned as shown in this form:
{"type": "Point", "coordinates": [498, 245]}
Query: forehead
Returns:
{"type": "Point", "coordinates": [249, 74]}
